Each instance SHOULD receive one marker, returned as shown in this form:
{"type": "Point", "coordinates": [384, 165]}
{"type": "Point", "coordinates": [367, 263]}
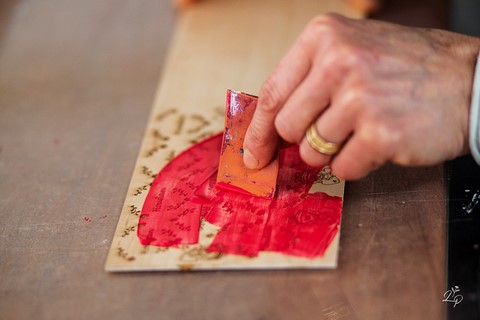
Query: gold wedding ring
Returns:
{"type": "Point", "coordinates": [319, 144]}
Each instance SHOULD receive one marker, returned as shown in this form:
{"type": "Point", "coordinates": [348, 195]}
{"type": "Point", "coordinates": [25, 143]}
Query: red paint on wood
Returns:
{"type": "Point", "coordinates": [294, 222]}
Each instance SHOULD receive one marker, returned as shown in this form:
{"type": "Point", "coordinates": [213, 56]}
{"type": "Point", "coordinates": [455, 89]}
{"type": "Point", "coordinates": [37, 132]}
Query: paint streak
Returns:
{"type": "Point", "coordinates": [169, 215]}
{"type": "Point", "coordinates": [294, 222]}
{"type": "Point", "coordinates": [232, 173]}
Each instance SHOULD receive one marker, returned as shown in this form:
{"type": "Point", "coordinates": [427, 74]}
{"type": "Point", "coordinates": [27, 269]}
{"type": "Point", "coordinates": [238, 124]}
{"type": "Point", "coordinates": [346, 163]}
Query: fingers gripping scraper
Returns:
{"type": "Point", "coordinates": [232, 173]}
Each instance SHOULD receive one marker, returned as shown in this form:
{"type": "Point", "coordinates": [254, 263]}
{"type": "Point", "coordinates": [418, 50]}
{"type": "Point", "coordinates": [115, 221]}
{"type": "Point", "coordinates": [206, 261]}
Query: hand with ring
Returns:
{"type": "Point", "coordinates": [356, 94]}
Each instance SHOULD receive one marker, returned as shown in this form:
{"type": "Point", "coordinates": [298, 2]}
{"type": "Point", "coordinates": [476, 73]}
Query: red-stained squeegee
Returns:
{"type": "Point", "coordinates": [232, 173]}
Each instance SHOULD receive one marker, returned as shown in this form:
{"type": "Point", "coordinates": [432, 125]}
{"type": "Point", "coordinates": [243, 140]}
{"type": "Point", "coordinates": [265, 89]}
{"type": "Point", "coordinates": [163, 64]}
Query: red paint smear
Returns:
{"type": "Point", "coordinates": [169, 214]}
{"type": "Point", "coordinates": [294, 222]}
{"type": "Point", "coordinates": [231, 187]}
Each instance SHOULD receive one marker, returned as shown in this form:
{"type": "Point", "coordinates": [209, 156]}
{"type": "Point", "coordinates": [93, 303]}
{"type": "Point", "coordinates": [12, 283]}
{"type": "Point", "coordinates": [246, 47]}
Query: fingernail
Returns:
{"type": "Point", "coordinates": [249, 160]}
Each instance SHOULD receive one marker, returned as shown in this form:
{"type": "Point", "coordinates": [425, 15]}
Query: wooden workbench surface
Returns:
{"type": "Point", "coordinates": [77, 81]}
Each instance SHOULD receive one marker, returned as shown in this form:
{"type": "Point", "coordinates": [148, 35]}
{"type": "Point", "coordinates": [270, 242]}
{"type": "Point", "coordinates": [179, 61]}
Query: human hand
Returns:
{"type": "Point", "coordinates": [387, 93]}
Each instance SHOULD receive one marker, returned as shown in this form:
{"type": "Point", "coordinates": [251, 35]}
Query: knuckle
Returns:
{"type": "Point", "coordinates": [388, 136]}
{"type": "Point", "coordinates": [351, 55]}
{"type": "Point", "coordinates": [269, 97]}
{"type": "Point", "coordinates": [326, 27]}
{"type": "Point", "coordinates": [327, 21]}
{"type": "Point", "coordinates": [347, 59]}
{"type": "Point", "coordinates": [380, 138]}
{"type": "Point", "coordinates": [256, 138]}
{"type": "Point", "coordinates": [284, 129]}
{"type": "Point", "coordinates": [351, 100]}
{"type": "Point", "coordinates": [337, 31]}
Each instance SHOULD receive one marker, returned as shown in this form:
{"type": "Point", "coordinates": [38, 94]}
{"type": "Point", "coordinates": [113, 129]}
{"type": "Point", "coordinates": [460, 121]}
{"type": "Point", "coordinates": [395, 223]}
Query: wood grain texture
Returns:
{"type": "Point", "coordinates": [73, 76]}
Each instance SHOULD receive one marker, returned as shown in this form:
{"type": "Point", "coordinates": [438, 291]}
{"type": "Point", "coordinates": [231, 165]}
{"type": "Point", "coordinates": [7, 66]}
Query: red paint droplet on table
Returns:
{"type": "Point", "coordinates": [294, 222]}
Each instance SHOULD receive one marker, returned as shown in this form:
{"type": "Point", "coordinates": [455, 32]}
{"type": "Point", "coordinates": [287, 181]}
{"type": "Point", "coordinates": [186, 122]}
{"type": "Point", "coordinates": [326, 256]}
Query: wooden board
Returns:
{"type": "Point", "coordinates": [218, 44]}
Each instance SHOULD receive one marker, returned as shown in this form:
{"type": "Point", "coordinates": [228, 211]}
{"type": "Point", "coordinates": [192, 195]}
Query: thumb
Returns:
{"type": "Point", "coordinates": [261, 140]}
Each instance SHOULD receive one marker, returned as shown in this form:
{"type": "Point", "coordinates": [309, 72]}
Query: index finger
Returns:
{"type": "Point", "coordinates": [261, 139]}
